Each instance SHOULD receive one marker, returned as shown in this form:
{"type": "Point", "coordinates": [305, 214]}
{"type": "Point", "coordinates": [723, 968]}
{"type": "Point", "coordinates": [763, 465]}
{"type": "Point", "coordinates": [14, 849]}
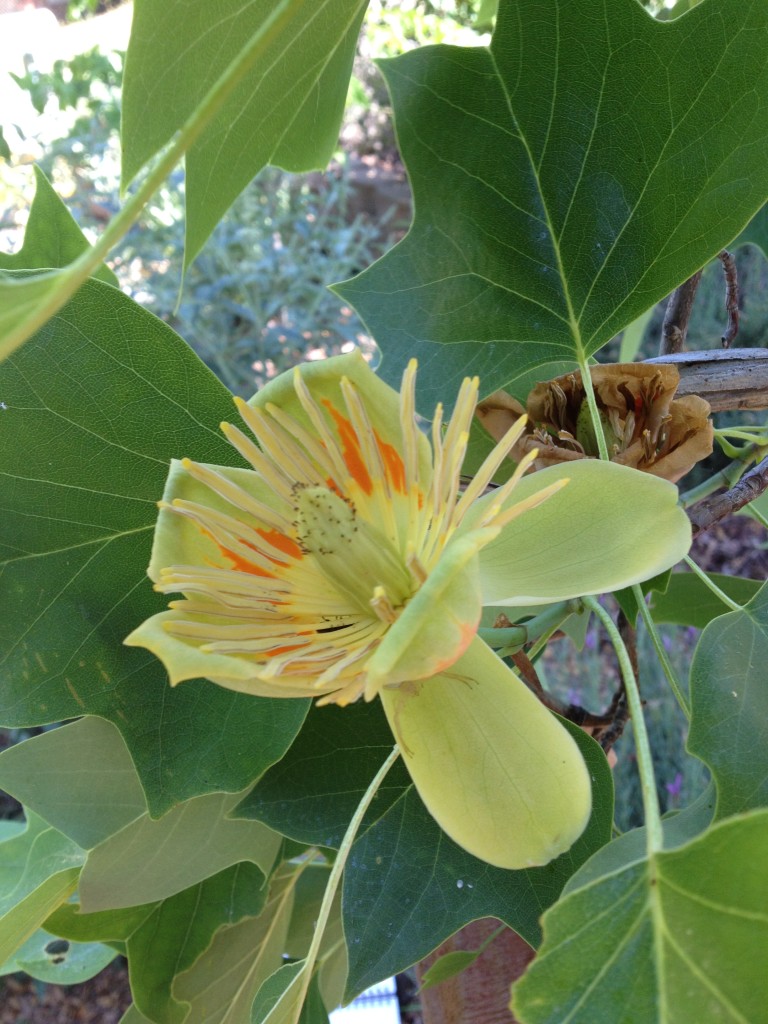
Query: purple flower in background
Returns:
{"type": "Point", "coordinates": [675, 788]}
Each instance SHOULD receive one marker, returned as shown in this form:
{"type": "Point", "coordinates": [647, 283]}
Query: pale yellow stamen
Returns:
{"type": "Point", "coordinates": [382, 605]}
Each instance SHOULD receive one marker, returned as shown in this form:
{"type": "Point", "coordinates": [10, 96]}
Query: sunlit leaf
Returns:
{"type": "Point", "coordinates": [285, 111]}
{"type": "Point", "coordinates": [542, 170]}
{"type": "Point", "coordinates": [52, 237]}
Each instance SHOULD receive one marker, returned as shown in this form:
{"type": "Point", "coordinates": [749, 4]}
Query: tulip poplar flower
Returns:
{"type": "Point", "coordinates": [345, 561]}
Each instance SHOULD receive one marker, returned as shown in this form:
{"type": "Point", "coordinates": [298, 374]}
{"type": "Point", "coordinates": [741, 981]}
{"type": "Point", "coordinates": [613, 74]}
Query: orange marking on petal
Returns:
{"type": "Point", "coordinates": [350, 449]}
{"type": "Point", "coordinates": [467, 633]}
{"type": "Point", "coordinates": [394, 464]}
{"type": "Point", "coordinates": [242, 565]}
{"type": "Point", "coordinates": [285, 544]}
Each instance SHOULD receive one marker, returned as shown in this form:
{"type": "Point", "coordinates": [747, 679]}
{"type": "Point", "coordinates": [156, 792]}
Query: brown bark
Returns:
{"type": "Point", "coordinates": [481, 993]}
{"type": "Point", "coordinates": [677, 315]}
{"type": "Point", "coordinates": [736, 378]}
{"type": "Point", "coordinates": [706, 513]}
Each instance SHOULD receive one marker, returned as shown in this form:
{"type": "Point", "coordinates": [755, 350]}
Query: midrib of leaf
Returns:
{"type": "Point", "coordinates": [573, 323]}
{"type": "Point", "coordinates": [310, 72]}
{"type": "Point", "coordinates": [607, 963]}
{"type": "Point", "coordinates": [102, 541]}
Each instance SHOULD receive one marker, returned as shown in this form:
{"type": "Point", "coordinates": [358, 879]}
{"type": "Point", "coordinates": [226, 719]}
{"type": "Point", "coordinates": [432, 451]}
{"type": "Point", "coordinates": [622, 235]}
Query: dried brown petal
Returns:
{"type": "Point", "coordinates": [648, 428]}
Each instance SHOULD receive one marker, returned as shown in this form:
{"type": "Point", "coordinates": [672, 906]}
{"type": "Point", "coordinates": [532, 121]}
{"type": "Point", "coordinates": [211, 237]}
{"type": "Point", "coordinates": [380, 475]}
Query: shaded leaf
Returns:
{"type": "Point", "coordinates": [542, 169]}
{"type": "Point", "coordinates": [687, 601]}
{"type": "Point", "coordinates": [95, 407]}
{"type": "Point", "coordinates": [278, 1000]}
{"type": "Point", "coordinates": [632, 336]}
{"type": "Point", "coordinates": [252, 951]}
{"type": "Point", "coordinates": [57, 961]}
{"type": "Point", "coordinates": [729, 705]}
{"type": "Point", "coordinates": [39, 868]}
{"type": "Point", "coordinates": [448, 966]}
{"type": "Point", "coordinates": [150, 860]}
{"type": "Point", "coordinates": [311, 794]}
{"type": "Point", "coordinates": [285, 111]}
{"type": "Point", "coordinates": [79, 778]}
{"type": "Point", "coordinates": [408, 886]}
{"type": "Point", "coordinates": [669, 938]}
{"type": "Point", "coordinates": [167, 937]}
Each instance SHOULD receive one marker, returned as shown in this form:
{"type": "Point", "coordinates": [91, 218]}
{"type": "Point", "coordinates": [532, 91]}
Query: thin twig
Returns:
{"type": "Point", "coordinates": [706, 513]}
{"type": "Point", "coordinates": [573, 712]}
{"type": "Point", "coordinates": [731, 297]}
{"type": "Point", "coordinates": [675, 326]}
{"type": "Point", "coordinates": [617, 713]}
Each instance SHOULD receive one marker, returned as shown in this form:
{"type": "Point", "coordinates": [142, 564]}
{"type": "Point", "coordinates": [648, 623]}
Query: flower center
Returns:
{"type": "Point", "coordinates": [356, 557]}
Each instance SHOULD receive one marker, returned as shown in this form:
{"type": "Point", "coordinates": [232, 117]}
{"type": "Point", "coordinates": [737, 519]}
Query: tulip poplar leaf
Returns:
{"type": "Point", "coordinates": [39, 869]}
{"type": "Point", "coordinates": [729, 705]}
{"type": "Point", "coordinates": [676, 932]}
{"type": "Point", "coordinates": [556, 196]}
{"type": "Point", "coordinates": [252, 950]}
{"type": "Point", "coordinates": [94, 407]}
{"type": "Point", "coordinates": [79, 778]}
{"type": "Point", "coordinates": [688, 601]}
{"type": "Point", "coordinates": [284, 111]}
{"type": "Point", "coordinates": [164, 938]}
{"type": "Point", "coordinates": [312, 792]}
{"type": "Point", "coordinates": [58, 962]}
{"type": "Point", "coordinates": [149, 860]}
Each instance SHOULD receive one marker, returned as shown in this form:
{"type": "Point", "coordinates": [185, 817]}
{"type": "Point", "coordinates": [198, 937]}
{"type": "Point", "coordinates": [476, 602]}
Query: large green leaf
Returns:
{"type": "Point", "coordinates": [311, 794]}
{"type": "Point", "coordinates": [94, 407]}
{"type": "Point", "coordinates": [167, 937]}
{"type": "Point", "coordinates": [408, 886]}
{"type": "Point", "coordinates": [39, 868]}
{"type": "Point", "coordinates": [285, 111]}
{"type": "Point", "coordinates": [729, 705]}
{"type": "Point", "coordinates": [671, 938]}
{"type": "Point", "coordinates": [52, 240]}
{"type": "Point", "coordinates": [556, 195]}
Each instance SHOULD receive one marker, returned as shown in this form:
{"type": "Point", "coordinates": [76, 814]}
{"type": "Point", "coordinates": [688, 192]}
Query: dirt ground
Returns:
{"type": "Point", "coordinates": [102, 1000]}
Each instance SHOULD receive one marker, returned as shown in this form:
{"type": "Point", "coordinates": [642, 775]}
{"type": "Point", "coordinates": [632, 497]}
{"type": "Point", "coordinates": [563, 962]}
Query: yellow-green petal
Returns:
{"type": "Point", "coordinates": [497, 771]}
{"type": "Point", "coordinates": [608, 528]}
{"type": "Point", "coordinates": [184, 661]}
{"type": "Point", "coordinates": [438, 623]}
